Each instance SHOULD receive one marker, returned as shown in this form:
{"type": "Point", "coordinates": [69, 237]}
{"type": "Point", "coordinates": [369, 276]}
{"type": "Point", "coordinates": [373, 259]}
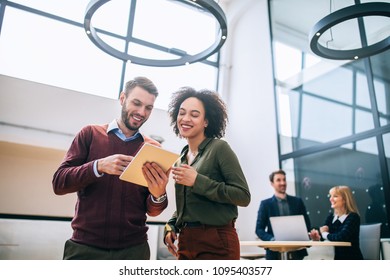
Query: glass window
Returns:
{"type": "Point", "coordinates": [368, 146]}
{"type": "Point", "coordinates": [148, 52]}
{"type": "Point", "coordinates": [170, 79]}
{"type": "Point", "coordinates": [383, 100]}
{"type": "Point", "coordinates": [103, 17]}
{"type": "Point", "coordinates": [364, 121]}
{"type": "Point", "coordinates": [336, 85]}
{"type": "Point", "coordinates": [54, 53]}
{"type": "Point", "coordinates": [288, 119]}
{"type": "Point", "coordinates": [324, 121]}
{"type": "Point", "coordinates": [315, 174]}
{"type": "Point", "coordinates": [386, 141]}
{"type": "Point", "coordinates": [377, 28]}
{"type": "Point", "coordinates": [174, 25]}
{"type": "Point", "coordinates": [70, 9]}
{"type": "Point", "coordinates": [311, 60]}
{"type": "Point", "coordinates": [328, 103]}
{"type": "Point", "coordinates": [334, 38]}
{"type": "Point", "coordinates": [287, 61]}
{"type": "Point", "coordinates": [362, 94]}
{"type": "Point", "coordinates": [285, 113]}
{"type": "Point", "coordinates": [57, 52]}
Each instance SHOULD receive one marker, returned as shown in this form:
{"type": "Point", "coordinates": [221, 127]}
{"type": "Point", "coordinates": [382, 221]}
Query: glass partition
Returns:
{"type": "Point", "coordinates": [333, 116]}
{"type": "Point", "coordinates": [316, 173]}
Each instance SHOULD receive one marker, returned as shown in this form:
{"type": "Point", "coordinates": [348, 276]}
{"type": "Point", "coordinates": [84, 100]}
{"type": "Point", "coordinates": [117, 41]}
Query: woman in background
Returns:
{"type": "Point", "coordinates": [209, 184]}
{"type": "Point", "coordinates": [342, 225]}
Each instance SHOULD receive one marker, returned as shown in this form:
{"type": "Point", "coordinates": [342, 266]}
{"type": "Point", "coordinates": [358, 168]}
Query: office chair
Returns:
{"type": "Point", "coordinates": [370, 241]}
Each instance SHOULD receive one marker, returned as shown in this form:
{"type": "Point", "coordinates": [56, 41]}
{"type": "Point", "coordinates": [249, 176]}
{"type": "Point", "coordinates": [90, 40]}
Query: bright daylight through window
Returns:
{"type": "Point", "coordinates": [60, 54]}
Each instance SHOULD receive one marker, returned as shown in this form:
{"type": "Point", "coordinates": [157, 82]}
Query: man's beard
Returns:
{"type": "Point", "coordinates": [126, 121]}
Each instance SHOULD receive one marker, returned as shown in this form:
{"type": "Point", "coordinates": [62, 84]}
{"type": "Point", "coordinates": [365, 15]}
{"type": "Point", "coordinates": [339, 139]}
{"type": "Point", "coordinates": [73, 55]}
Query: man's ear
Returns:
{"type": "Point", "coordinates": [122, 98]}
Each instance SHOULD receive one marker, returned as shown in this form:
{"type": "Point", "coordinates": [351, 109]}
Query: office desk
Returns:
{"type": "Point", "coordinates": [284, 247]}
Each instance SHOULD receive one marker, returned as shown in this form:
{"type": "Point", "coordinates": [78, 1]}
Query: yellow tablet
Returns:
{"type": "Point", "coordinates": [148, 153]}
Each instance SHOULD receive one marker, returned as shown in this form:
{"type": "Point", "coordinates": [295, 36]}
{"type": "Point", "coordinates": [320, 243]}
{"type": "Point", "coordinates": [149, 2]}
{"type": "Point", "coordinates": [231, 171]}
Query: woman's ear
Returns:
{"type": "Point", "coordinates": [206, 123]}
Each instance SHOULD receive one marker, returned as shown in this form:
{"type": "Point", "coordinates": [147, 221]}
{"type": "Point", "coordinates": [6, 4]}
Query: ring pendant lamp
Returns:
{"type": "Point", "coordinates": [184, 59]}
{"type": "Point", "coordinates": [342, 15]}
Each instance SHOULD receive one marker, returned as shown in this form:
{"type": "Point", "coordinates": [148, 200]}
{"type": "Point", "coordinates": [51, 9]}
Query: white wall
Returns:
{"type": "Point", "coordinates": [248, 89]}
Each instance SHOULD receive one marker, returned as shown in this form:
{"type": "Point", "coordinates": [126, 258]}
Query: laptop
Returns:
{"type": "Point", "coordinates": [289, 228]}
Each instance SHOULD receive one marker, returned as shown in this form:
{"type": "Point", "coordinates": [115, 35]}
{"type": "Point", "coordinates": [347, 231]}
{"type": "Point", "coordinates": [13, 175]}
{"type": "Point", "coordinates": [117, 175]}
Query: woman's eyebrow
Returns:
{"type": "Point", "coordinates": [196, 111]}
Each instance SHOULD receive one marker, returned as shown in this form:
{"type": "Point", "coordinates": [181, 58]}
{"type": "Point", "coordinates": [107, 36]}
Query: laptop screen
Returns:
{"type": "Point", "coordinates": [289, 228]}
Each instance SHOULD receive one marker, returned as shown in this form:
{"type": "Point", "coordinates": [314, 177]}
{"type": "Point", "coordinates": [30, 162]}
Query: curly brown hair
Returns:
{"type": "Point", "coordinates": [215, 109]}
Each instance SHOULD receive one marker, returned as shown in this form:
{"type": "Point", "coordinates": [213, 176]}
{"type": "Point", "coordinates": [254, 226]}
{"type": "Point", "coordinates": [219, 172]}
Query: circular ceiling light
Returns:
{"type": "Point", "coordinates": [184, 59]}
{"type": "Point", "coordinates": [355, 11]}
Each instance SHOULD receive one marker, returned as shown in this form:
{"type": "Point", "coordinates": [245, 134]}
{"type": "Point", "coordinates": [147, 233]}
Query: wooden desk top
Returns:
{"type": "Point", "coordinates": [286, 246]}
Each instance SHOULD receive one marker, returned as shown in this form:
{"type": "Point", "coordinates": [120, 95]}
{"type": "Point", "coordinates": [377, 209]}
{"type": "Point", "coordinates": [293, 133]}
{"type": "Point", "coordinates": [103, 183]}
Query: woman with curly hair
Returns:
{"type": "Point", "coordinates": [209, 180]}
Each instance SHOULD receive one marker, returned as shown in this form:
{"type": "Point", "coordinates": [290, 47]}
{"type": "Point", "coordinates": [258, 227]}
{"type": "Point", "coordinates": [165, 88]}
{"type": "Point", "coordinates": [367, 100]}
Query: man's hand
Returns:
{"type": "Point", "coordinates": [114, 164]}
{"type": "Point", "coordinates": [170, 239]}
{"type": "Point", "coordinates": [314, 235]}
{"type": "Point", "coordinates": [156, 178]}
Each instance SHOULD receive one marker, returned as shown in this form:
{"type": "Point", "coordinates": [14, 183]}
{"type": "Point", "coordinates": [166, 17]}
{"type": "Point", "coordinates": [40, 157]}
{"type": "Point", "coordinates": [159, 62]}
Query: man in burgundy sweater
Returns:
{"type": "Point", "coordinates": [110, 214]}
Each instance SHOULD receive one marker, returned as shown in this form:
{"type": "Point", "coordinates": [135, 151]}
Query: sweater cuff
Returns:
{"type": "Point", "coordinates": [95, 170]}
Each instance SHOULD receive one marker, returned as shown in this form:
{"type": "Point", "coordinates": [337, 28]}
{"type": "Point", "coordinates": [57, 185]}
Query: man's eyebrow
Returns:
{"type": "Point", "coordinates": [139, 101]}
{"type": "Point", "coordinates": [136, 100]}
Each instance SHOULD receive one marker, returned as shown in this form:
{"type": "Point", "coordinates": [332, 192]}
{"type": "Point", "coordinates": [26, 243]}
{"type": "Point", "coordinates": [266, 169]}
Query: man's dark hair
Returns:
{"type": "Point", "coordinates": [272, 175]}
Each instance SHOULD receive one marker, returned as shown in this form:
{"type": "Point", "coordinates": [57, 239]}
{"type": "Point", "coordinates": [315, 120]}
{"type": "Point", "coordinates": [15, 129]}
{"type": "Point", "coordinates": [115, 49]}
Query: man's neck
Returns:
{"type": "Point", "coordinates": [127, 132]}
{"type": "Point", "coordinates": [281, 195]}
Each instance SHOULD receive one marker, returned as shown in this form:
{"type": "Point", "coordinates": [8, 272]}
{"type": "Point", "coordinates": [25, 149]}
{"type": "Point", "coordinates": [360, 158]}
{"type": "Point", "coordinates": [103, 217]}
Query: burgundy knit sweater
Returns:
{"type": "Point", "coordinates": [109, 213]}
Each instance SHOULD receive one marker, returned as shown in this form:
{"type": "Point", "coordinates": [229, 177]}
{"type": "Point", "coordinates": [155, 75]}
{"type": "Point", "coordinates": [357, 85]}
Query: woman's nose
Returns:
{"type": "Point", "coordinates": [186, 117]}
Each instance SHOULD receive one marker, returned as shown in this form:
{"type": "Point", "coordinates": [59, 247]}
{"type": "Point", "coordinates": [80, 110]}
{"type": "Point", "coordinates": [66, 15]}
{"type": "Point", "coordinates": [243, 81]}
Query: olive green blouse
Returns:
{"type": "Point", "coordinates": [219, 187]}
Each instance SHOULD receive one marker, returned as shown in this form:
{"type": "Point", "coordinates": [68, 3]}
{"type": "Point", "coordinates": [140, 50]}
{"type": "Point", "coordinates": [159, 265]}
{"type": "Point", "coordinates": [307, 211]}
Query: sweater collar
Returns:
{"type": "Point", "coordinates": [113, 126]}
